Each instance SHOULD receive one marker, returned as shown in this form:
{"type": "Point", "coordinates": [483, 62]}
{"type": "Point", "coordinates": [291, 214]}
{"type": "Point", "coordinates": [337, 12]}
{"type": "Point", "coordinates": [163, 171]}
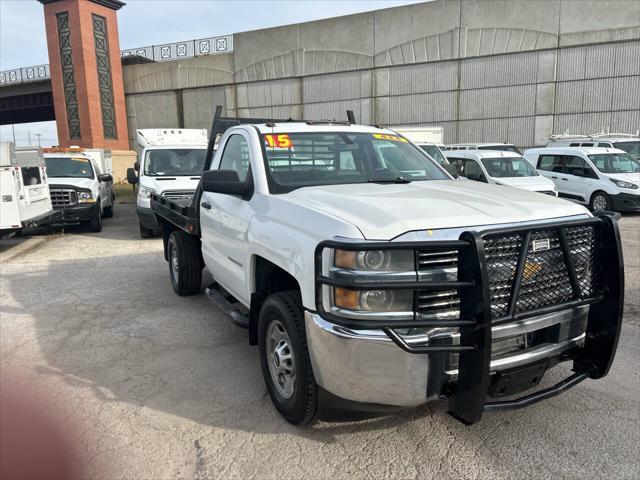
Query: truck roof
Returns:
{"type": "Point", "coordinates": [157, 137]}
{"type": "Point", "coordinates": [479, 154]}
{"type": "Point", "coordinates": [565, 150]}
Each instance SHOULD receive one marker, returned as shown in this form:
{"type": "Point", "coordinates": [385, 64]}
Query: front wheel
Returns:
{"type": "Point", "coordinates": [284, 358]}
{"type": "Point", "coordinates": [600, 202]}
{"type": "Point", "coordinates": [185, 264]}
{"type": "Point", "coordinates": [95, 225]}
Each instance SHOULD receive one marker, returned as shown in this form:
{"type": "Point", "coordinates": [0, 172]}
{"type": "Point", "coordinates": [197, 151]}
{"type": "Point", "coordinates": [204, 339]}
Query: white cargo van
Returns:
{"type": "Point", "coordinates": [622, 141]}
{"type": "Point", "coordinates": [25, 196]}
{"type": "Point", "coordinates": [170, 163]}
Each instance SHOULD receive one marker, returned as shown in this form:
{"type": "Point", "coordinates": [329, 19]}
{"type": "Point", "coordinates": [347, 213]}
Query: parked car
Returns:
{"type": "Point", "coordinates": [622, 141]}
{"type": "Point", "coordinates": [500, 168]}
{"type": "Point", "coordinates": [171, 162]}
{"type": "Point", "coordinates": [506, 147]}
{"type": "Point", "coordinates": [81, 186]}
{"type": "Point", "coordinates": [25, 200]}
{"type": "Point", "coordinates": [369, 279]}
{"type": "Point", "coordinates": [602, 178]}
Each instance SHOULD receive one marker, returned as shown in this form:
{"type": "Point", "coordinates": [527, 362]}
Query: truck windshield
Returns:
{"type": "Point", "coordinates": [73, 167]}
{"type": "Point", "coordinates": [504, 167]}
{"type": "Point", "coordinates": [501, 148]}
{"type": "Point", "coordinates": [615, 163]}
{"type": "Point", "coordinates": [435, 153]}
{"type": "Point", "coordinates": [297, 160]}
{"type": "Point", "coordinates": [632, 148]}
{"type": "Point", "coordinates": [174, 162]}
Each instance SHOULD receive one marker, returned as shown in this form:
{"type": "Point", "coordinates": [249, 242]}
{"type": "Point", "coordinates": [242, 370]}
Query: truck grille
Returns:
{"type": "Point", "coordinates": [178, 194]}
{"type": "Point", "coordinates": [63, 197]}
{"type": "Point", "coordinates": [545, 280]}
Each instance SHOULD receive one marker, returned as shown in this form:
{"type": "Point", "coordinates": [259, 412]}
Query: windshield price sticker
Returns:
{"type": "Point", "coordinates": [393, 138]}
{"type": "Point", "coordinates": [278, 141]}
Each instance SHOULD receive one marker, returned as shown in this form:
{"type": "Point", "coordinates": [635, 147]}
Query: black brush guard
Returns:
{"type": "Point", "coordinates": [467, 398]}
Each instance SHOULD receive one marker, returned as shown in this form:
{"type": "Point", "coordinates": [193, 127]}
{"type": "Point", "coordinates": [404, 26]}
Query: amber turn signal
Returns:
{"type": "Point", "coordinates": [345, 298]}
{"type": "Point", "coordinates": [345, 259]}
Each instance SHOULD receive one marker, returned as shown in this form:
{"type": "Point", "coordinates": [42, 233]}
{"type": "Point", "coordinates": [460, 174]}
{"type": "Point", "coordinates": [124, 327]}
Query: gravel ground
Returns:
{"type": "Point", "coordinates": [146, 384]}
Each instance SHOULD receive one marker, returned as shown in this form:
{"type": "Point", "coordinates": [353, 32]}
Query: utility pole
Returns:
{"type": "Point", "coordinates": [39, 135]}
{"type": "Point", "coordinates": [13, 131]}
{"type": "Point", "coordinates": [29, 136]}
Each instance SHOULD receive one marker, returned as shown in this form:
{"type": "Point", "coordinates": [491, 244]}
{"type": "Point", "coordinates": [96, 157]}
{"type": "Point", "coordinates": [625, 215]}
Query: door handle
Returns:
{"type": "Point", "coordinates": [566, 179]}
{"type": "Point", "coordinates": [555, 178]}
{"type": "Point", "coordinates": [206, 205]}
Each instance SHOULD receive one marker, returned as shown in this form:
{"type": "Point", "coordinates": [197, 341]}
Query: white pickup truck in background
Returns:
{"type": "Point", "coordinates": [24, 193]}
{"type": "Point", "coordinates": [81, 186]}
{"type": "Point", "coordinates": [370, 279]}
{"type": "Point", "coordinates": [170, 164]}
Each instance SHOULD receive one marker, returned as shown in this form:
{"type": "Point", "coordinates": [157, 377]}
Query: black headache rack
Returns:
{"type": "Point", "coordinates": [467, 396]}
{"type": "Point", "coordinates": [184, 213]}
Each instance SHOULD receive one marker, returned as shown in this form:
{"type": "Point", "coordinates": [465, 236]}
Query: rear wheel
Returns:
{"type": "Point", "coordinates": [185, 264]}
{"type": "Point", "coordinates": [600, 202]}
{"type": "Point", "coordinates": [145, 232]}
{"type": "Point", "coordinates": [95, 225]}
{"type": "Point", "coordinates": [284, 357]}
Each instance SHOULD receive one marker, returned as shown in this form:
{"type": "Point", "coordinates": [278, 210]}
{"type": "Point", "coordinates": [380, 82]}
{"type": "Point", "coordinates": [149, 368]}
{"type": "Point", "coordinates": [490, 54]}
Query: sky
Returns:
{"type": "Point", "coordinates": [151, 22]}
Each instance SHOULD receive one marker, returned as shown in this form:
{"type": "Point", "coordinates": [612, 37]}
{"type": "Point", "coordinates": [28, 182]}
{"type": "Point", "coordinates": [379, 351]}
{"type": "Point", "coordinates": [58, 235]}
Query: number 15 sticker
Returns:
{"type": "Point", "coordinates": [278, 141]}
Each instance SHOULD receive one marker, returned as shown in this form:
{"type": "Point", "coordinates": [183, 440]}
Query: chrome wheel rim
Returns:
{"type": "Point", "coordinates": [280, 358]}
{"type": "Point", "coordinates": [599, 203]}
{"type": "Point", "coordinates": [173, 261]}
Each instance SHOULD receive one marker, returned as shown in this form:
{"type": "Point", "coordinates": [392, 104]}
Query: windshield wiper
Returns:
{"type": "Point", "coordinates": [389, 180]}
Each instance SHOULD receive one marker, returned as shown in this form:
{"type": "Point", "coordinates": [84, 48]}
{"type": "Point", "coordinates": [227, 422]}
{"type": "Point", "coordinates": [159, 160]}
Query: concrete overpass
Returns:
{"type": "Point", "coordinates": [513, 71]}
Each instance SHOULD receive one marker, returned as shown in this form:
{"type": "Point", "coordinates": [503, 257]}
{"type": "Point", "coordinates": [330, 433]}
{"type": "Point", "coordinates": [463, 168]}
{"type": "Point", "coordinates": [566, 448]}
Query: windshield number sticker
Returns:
{"type": "Point", "coordinates": [278, 141]}
{"type": "Point", "coordinates": [393, 138]}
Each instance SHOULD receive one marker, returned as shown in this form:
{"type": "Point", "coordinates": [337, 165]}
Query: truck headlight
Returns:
{"type": "Point", "coordinates": [144, 192]}
{"type": "Point", "coordinates": [375, 260]}
{"type": "Point", "coordinates": [623, 184]}
{"type": "Point", "coordinates": [373, 300]}
{"type": "Point", "coordinates": [85, 197]}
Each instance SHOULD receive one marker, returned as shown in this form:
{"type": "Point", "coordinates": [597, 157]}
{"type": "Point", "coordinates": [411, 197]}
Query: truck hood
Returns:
{"type": "Point", "coordinates": [170, 183]}
{"type": "Point", "coordinates": [535, 184]}
{"type": "Point", "coordinates": [384, 211]}
{"type": "Point", "coordinates": [87, 183]}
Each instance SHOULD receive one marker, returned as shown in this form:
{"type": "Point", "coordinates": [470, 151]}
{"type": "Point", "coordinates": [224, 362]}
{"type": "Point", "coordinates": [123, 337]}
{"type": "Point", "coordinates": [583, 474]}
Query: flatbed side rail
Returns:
{"type": "Point", "coordinates": [176, 213]}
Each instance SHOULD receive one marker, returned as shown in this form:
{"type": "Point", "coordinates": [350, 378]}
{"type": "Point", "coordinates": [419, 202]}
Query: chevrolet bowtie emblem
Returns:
{"type": "Point", "coordinates": [531, 269]}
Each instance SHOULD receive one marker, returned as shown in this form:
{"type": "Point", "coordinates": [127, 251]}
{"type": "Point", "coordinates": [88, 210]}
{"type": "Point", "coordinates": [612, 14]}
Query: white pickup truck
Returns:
{"type": "Point", "coordinates": [371, 280]}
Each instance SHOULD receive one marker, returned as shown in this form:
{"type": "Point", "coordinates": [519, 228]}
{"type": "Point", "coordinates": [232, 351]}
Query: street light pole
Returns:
{"type": "Point", "coordinates": [39, 135]}
{"type": "Point", "coordinates": [13, 131]}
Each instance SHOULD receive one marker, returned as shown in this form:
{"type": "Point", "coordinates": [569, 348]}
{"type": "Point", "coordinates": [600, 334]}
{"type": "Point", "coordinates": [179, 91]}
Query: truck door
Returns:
{"type": "Point", "coordinates": [224, 221]}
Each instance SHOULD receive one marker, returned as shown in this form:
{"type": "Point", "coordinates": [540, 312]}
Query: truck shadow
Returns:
{"type": "Point", "coordinates": [113, 325]}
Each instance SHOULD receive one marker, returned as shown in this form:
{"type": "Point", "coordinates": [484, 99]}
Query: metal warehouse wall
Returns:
{"type": "Point", "coordinates": [493, 70]}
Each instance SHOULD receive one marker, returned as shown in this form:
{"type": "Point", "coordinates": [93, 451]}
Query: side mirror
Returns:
{"type": "Point", "coordinates": [226, 182]}
{"type": "Point", "coordinates": [105, 177]}
{"type": "Point", "coordinates": [451, 170]}
{"type": "Point", "coordinates": [136, 166]}
{"type": "Point", "coordinates": [132, 177]}
{"type": "Point", "coordinates": [482, 178]}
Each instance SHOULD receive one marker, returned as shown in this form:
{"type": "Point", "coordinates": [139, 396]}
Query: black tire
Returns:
{"type": "Point", "coordinates": [95, 225]}
{"type": "Point", "coordinates": [146, 232]}
{"type": "Point", "coordinates": [286, 309]}
{"type": "Point", "coordinates": [600, 202]}
{"type": "Point", "coordinates": [108, 211]}
{"type": "Point", "coordinates": [185, 263]}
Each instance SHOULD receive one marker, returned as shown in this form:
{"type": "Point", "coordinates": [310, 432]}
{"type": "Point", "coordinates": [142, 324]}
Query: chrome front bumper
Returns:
{"type": "Point", "coordinates": [367, 366]}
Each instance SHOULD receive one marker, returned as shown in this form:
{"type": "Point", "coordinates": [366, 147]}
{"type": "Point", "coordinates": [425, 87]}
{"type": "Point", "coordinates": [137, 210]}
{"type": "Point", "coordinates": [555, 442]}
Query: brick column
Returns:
{"type": "Point", "coordinates": [86, 73]}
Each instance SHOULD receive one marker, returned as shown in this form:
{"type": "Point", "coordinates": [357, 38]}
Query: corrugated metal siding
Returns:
{"type": "Point", "coordinates": [626, 94]}
{"type": "Point", "coordinates": [423, 78]}
{"type": "Point", "coordinates": [337, 86]}
{"type": "Point", "coordinates": [424, 107]}
{"type": "Point", "coordinates": [514, 69]}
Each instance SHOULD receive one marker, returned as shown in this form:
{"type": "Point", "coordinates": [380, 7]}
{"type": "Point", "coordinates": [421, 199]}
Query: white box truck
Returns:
{"type": "Point", "coordinates": [25, 199]}
{"type": "Point", "coordinates": [170, 164]}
